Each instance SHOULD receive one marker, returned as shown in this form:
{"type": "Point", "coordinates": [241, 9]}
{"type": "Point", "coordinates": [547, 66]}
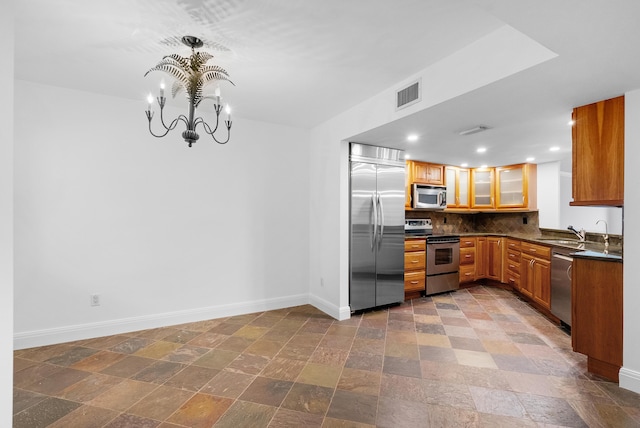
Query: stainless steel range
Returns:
{"type": "Point", "coordinates": [443, 263]}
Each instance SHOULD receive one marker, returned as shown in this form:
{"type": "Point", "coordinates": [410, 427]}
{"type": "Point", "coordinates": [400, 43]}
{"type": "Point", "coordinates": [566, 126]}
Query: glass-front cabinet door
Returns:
{"type": "Point", "coordinates": [514, 186]}
{"type": "Point", "coordinates": [457, 182]}
{"type": "Point", "coordinates": [482, 188]}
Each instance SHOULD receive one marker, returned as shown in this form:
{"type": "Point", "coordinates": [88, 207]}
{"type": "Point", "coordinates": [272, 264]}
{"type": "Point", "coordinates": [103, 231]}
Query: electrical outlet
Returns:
{"type": "Point", "coordinates": [95, 299]}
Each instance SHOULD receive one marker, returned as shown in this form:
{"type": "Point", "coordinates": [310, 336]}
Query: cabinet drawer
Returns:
{"type": "Point", "coordinates": [414, 281]}
{"type": "Point", "coordinates": [536, 250]}
{"type": "Point", "coordinates": [513, 256]}
{"type": "Point", "coordinates": [513, 244]}
{"type": "Point", "coordinates": [415, 245]}
{"type": "Point", "coordinates": [513, 279]}
{"type": "Point", "coordinates": [467, 273]}
{"type": "Point", "coordinates": [467, 242]}
{"type": "Point", "coordinates": [513, 268]}
{"type": "Point", "coordinates": [415, 260]}
{"type": "Point", "coordinates": [467, 256]}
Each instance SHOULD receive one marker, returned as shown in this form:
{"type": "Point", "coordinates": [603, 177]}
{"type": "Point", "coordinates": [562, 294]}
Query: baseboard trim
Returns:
{"type": "Point", "coordinates": [629, 379]}
{"type": "Point", "coordinates": [338, 312]}
{"type": "Point", "coordinates": [71, 333]}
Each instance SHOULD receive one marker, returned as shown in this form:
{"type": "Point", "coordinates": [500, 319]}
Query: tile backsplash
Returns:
{"type": "Point", "coordinates": [504, 222]}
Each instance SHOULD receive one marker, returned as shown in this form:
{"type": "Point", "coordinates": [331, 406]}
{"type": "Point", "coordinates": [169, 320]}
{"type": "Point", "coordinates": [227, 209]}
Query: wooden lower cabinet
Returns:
{"type": "Point", "coordinates": [596, 314]}
{"type": "Point", "coordinates": [495, 256]}
{"type": "Point", "coordinates": [467, 259]}
{"type": "Point", "coordinates": [415, 262]}
{"type": "Point", "coordinates": [535, 273]}
{"type": "Point", "coordinates": [525, 266]}
{"type": "Point", "coordinates": [511, 266]}
{"type": "Point", "coordinates": [487, 253]}
{"type": "Point", "coordinates": [481, 257]}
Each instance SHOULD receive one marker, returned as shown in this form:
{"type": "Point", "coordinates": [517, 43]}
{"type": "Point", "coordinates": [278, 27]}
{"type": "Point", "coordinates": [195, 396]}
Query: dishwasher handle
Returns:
{"type": "Point", "coordinates": [561, 257]}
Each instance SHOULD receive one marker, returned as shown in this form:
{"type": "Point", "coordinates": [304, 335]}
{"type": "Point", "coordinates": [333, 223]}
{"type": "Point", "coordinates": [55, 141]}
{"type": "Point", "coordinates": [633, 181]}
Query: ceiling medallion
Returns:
{"type": "Point", "coordinates": [191, 75]}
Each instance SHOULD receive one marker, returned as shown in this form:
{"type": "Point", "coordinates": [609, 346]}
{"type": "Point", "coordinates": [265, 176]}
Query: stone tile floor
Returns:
{"type": "Point", "coordinates": [477, 357]}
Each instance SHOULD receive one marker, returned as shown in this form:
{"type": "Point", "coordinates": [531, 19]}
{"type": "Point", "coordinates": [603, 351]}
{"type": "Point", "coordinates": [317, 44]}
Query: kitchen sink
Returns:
{"type": "Point", "coordinates": [561, 241]}
{"type": "Point", "coordinates": [567, 242]}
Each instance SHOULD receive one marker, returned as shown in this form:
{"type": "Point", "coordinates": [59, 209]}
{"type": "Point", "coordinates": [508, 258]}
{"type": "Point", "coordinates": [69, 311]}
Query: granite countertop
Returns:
{"type": "Point", "coordinates": [587, 249]}
{"type": "Point", "coordinates": [600, 255]}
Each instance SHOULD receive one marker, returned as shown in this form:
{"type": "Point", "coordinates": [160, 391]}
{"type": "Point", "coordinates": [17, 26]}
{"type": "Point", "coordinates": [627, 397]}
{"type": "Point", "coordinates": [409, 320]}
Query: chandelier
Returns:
{"type": "Point", "coordinates": [191, 75]}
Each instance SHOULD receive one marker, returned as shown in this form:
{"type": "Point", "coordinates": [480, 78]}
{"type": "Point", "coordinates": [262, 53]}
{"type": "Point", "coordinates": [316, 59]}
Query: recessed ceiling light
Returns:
{"type": "Point", "coordinates": [464, 165]}
{"type": "Point", "coordinates": [407, 156]}
{"type": "Point", "coordinates": [483, 166]}
{"type": "Point", "coordinates": [530, 159]}
{"type": "Point", "coordinates": [412, 137]}
{"type": "Point", "coordinates": [481, 149]}
{"type": "Point", "coordinates": [571, 122]}
{"type": "Point", "coordinates": [554, 149]}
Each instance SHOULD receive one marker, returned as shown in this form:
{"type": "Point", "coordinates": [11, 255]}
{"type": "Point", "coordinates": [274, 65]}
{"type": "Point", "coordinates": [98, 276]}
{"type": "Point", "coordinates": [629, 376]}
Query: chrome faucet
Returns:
{"type": "Point", "coordinates": [582, 234]}
{"type": "Point", "coordinates": [606, 232]}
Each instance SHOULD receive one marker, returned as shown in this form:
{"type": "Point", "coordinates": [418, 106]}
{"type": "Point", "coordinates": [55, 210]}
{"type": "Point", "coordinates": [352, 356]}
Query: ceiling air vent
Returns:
{"type": "Point", "coordinates": [409, 95]}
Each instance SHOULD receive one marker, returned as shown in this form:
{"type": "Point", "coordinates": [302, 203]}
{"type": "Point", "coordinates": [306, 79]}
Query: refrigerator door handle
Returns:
{"type": "Point", "coordinates": [381, 208]}
{"type": "Point", "coordinates": [374, 234]}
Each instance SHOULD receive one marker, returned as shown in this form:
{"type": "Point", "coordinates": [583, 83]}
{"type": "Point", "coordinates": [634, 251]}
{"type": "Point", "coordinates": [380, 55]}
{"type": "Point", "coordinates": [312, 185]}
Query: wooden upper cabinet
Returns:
{"type": "Point", "coordinates": [598, 153]}
{"type": "Point", "coordinates": [428, 173]}
{"type": "Point", "coordinates": [458, 182]}
{"type": "Point", "coordinates": [421, 173]}
{"type": "Point", "coordinates": [516, 186]}
{"type": "Point", "coordinates": [482, 188]}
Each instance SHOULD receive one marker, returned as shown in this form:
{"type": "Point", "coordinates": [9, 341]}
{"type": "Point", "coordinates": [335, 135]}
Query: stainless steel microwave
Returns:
{"type": "Point", "coordinates": [427, 196]}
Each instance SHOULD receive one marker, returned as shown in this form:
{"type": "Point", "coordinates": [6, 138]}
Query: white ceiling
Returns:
{"type": "Point", "coordinates": [302, 62]}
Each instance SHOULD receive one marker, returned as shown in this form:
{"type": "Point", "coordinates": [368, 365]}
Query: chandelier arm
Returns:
{"type": "Point", "coordinates": [174, 122]}
{"type": "Point", "coordinates": [208, 130]}
{"type": "Point", "coordinates": [169, 128]}
{"type": "Point", "coordinates": [206, 126]}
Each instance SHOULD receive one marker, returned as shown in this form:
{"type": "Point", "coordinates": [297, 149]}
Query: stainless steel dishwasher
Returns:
{"type": "Point", "coordinates": [561, 262]}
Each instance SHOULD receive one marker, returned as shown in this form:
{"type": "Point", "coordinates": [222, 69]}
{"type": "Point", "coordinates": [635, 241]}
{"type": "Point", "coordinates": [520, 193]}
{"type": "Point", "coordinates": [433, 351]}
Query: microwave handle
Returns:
{"type": "Point", "coordinates": [440, 198]}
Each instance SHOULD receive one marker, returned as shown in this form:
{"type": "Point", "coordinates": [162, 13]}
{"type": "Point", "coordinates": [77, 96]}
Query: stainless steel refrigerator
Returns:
{"type": "Point", "coordinates": [376, 269]}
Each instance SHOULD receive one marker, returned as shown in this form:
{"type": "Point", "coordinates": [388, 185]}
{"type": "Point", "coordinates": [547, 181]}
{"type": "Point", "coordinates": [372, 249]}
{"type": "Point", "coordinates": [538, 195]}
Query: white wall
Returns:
{"type": "Point", "coordinates": [554, 196]}
{"type": "Point", "coordinates": [548, 187]}
{"type": "Point", "coordinates": [586, 217]}
{"type": "Point", "coordinates": [630, 373]}
{"type": "Point", "coordinates": [6, 213]}
{"type": "Point", "coordinates": [162, 232]}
